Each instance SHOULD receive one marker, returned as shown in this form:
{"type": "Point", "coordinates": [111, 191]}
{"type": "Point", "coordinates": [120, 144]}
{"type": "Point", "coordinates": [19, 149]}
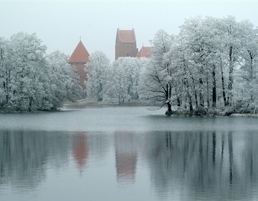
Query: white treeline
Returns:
{"type": "Point", "coordinates": [116, 83]}
{"type": "Point", "coordinates": [32, 80]}
{"type": "Point", "coordinates": [210, 67]}
{"type": "Point", "coordinates": [97, 70]}
{"type": "Point", "coordinates": [210, 64]}
{"type": "Point", "coordinates": [124, 80]}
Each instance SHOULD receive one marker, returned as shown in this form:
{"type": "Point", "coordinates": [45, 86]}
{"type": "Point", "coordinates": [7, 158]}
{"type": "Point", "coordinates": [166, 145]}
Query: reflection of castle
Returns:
{"type": "Point", "coordinates": [126, 157]}
{"type": "Point", "coordinates": [195, 165]}
{"type": "Point", "coordinates": [80, 149]}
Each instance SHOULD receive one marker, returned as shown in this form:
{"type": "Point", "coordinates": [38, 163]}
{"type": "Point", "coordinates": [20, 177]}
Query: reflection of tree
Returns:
{"type": "Point", "coordinates": [230, 152]}
{"type": "Point", "coordinates": [126, 156]}
{"type": "Point", "coordinates": [25, 155]}
{"type": "Point", "coordinates": [99, 145]}
{"type": "Point", "coordinates": [214, 165]}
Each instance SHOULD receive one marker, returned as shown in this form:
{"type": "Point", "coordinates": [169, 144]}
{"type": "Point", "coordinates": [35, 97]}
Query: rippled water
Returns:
{"type": "Point", "coordinates": [126, 153]}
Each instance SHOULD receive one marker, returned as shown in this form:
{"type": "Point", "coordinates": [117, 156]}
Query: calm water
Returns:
{"type": "Point", "coordinates": [126, 153]}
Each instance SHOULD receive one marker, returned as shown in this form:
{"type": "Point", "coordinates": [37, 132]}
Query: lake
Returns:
{"type": "Point", "coordinates": [126, 153]}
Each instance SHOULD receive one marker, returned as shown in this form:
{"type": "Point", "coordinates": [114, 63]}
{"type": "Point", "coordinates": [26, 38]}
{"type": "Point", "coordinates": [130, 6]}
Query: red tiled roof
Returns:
{"type": "Point", "coordinates": [79, 55]}
{"type": "Point", "coordinates": [144, 52]}
{"type": "Point", "coordinates": [126, 36]}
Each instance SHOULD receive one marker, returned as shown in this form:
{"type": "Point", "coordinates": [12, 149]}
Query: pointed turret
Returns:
{"type": "Point", "coordinates": [79, 55]}
{"type": "Point", "coordinates": [78, 59]}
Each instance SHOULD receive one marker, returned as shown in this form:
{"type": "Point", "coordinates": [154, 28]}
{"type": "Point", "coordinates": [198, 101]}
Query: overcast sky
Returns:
{"type": "Point", "coordinates": [61, 23]}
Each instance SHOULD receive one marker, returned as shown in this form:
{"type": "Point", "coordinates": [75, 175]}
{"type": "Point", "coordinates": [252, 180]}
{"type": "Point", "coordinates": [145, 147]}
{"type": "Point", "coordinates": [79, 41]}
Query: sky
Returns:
{"type": "Point", "coordinates": [60, 24]}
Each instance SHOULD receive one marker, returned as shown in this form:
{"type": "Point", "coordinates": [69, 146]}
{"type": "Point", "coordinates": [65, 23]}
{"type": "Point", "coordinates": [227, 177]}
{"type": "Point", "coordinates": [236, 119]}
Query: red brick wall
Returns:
{"type": "Point", "coordinates": [125, 50]}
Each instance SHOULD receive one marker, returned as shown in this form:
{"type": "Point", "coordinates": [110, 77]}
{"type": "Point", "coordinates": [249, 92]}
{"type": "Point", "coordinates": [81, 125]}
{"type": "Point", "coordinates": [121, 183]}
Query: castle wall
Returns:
{"type": "Point", "coordinates": [125, 50]}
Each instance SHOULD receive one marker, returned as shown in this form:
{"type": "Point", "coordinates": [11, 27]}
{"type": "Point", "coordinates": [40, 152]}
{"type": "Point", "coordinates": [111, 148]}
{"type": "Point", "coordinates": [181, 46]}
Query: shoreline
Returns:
{"type": "Point", "coordinates": [84, 103]}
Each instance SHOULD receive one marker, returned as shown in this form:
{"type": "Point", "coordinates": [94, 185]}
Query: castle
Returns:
{"type": "Point", "coordinates": [125, 47]}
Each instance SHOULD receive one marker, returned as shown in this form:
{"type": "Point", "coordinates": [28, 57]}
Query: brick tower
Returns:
{"type": "Point", "coordinates": [125, 44]}
{"type": "Point", "coordinates": [78, 59]}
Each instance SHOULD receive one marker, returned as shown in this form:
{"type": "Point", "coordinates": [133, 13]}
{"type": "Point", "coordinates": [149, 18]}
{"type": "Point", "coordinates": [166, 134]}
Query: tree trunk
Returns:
{"type": "Point", "coordinates": [190, 104]}
{"type": "Point", "coordinates": [213, 87]}
{"type": "Point", "coordinates": [252, 74]}
{"type": "Point", "coordinates": [168, 97]}
{"type": "Point", "coordinates": [230, 77]}
{"type": "Point", "coordinates": [223, 84]}
{"type": "Point", "coordinates": [189, 96]}
{"type": "Point", "coordinates": [177, 97]}
{"type": "Point", "coordinates": [196, 99]}
{"type": "Point", "coordinates": [169, 110]}
{"type": "Point", "coordinates": [186, 83]}
{"type": "Point", "coordinates": [178, 101]}
{"type": "Point", "coordinates": [8, 79]}
{"type": "Point", "coordinates": [208, 97]}
{"type": "Point", "coordinates": [201, 95]}
{"type": "Point", "coordinates": [251, 64]}
{"type": "Point", "coordinates": [195, 92]}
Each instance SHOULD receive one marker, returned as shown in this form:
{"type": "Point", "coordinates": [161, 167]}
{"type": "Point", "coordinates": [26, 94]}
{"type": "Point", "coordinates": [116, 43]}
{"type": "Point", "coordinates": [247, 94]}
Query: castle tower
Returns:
{"type": "Point", "coordinates": [78, 59]}
{"type": "Point", "coordinates": [125, 44]}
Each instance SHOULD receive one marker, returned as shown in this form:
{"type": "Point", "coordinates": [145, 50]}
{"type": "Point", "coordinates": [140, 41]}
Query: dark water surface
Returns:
{"type": "Point", "coordinates": [127, 153]}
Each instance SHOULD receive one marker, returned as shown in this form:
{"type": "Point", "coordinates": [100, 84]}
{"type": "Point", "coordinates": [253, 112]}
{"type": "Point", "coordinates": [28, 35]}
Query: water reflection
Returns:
{"type": "Point", "coordinates": [100, 144]}
{"type": "Point", "coordinates": [126, 156]}
{"type": "Point", "coordinates": [24, 156]}
{"type": "Point", "coordinates": [180, 165]}
{"type": "Point", "coordinates": [213, 165]}
{"type": "Point", "coordinates": [80, 149]}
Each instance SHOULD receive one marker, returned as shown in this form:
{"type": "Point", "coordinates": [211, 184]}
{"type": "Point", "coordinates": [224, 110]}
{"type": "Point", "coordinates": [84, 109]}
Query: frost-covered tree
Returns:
{"type": "Point", "coordinates": [24, 58]}
{"type": "Point", "coordinates": [215, 49]}
{"type": "Point", "coordinates": [4, 73]}
{"type": "Point", "coordinates": [182, 75]}
{"type": "Point", "coordinates": [246, 85]}
{"type": "Point", "coordinates": [97, 70]}
{"type": "Point", "coordinates": [63, 80]}
{"type": "Point", "coordinates": [156, 79]}
{"type": "Point", "coordinates": [201, 39]}
{"type": "Point", "coordinates": [123, 82]}
{"type": "Point", "coordinates": [232, 46]}
{"type": "Point", "coordinates": [196, 69]}
{"type": "Point", "coordinates": [31, 80]}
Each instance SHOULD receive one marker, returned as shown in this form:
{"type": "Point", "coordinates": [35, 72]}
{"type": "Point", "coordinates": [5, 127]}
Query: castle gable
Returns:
{"type": "Point", "coordinates": [126, 36]}
{"type": "Point", "coordinates": [144, 52]}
